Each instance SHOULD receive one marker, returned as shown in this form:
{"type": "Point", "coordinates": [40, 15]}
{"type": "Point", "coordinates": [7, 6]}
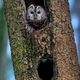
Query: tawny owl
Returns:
{"type": "Point", "coordinates": [36, 16]}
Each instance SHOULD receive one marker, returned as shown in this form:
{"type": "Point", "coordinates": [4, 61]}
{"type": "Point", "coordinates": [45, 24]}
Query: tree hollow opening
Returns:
{"type": "Point", "coordinates": [37, 13]}
{"type": "Point", "coordinates": [42, 3]}
{"type": "Point", "coordinates": [45, 68]}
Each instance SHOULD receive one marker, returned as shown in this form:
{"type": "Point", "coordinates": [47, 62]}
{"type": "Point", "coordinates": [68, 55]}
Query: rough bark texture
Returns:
{"type": "Point", "coordinates": [64, 42]}
{"type": "Point", "coordinates": [54, 42]}
{"type": "Point", "coordinates": [14, 11]}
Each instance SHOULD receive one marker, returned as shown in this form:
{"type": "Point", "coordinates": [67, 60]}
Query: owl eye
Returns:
{"type": "Point", "coordinates": [32, 12]}
{"type": "Point", "coordinates": [38, 12]}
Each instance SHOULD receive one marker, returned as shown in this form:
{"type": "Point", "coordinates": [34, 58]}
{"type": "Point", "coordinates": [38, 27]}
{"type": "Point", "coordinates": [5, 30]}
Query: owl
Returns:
{"type": "Point", "coordinates": [36, 16]}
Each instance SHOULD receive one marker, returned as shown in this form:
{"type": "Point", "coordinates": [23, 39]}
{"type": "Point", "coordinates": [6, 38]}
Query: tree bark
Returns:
{"type": "Point", "coordinates": [64, 42]}
{"type": "Point", "coordinates": [53, 44]}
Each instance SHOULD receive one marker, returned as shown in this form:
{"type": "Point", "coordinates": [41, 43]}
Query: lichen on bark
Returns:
{"type": "Point", "coordinates": [20, 46]}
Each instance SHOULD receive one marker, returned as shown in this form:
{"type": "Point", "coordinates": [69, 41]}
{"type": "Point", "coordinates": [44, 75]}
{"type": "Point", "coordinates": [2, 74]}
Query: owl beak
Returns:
{"type": "Point", "coordinates": [35, 16]}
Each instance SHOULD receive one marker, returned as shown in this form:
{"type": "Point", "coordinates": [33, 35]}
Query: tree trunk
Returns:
{"type": "Point", "coordinates": [50, 49]}
{"type": "Point", "coordinates": [64, 46]}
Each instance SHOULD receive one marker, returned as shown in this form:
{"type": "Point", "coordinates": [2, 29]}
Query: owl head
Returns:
{"type": "Point", "coordinates": [36, 13]}
{"type": "Point", "coordinates": [36, 16]}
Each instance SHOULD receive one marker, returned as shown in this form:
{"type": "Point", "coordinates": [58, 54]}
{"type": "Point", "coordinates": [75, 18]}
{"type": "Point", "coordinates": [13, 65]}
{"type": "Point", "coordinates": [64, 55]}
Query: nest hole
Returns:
{"type": "Point", "coordinates": [36, 22]}
{"type": "Point", "coordinates": [45, 68]}
{"type": "Point", "coordinates": [44, 3]}
{"type": "Point", "coordinates": [36, 2]}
